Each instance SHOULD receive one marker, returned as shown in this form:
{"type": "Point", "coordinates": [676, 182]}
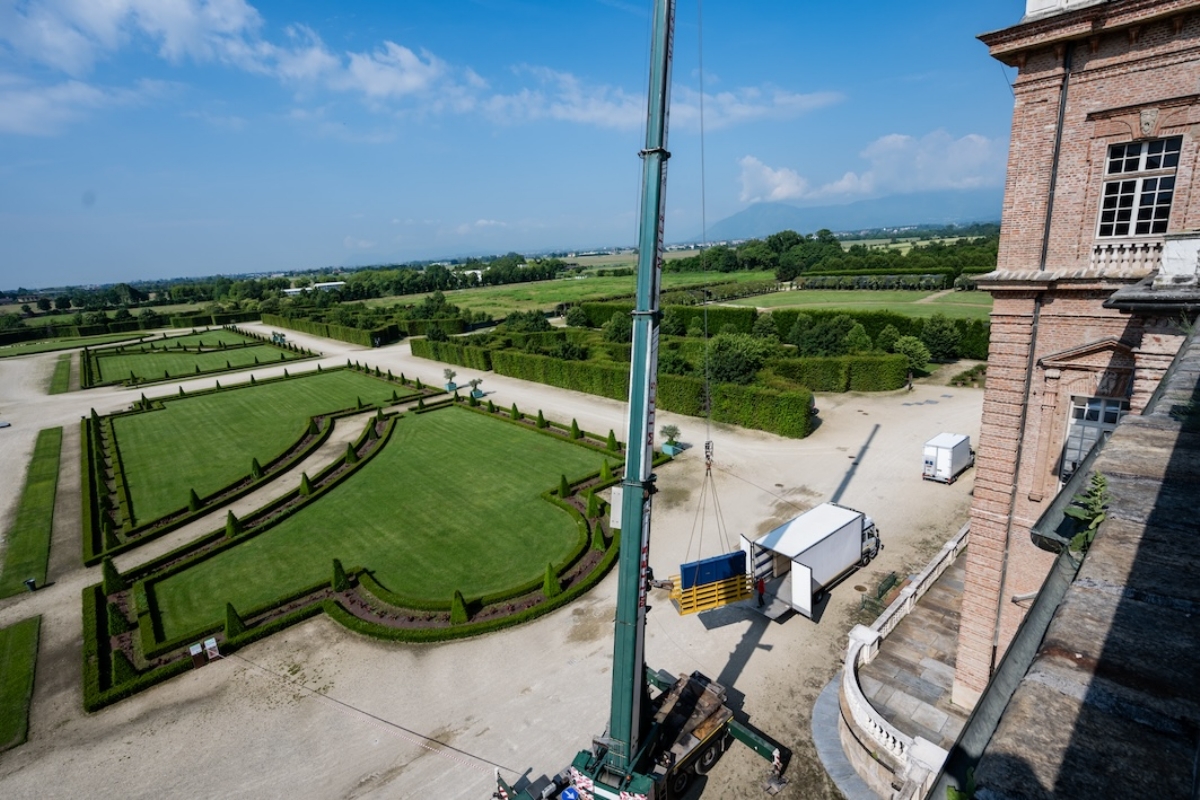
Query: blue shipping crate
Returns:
{"type": "Point", "coordinates": [711, 570]}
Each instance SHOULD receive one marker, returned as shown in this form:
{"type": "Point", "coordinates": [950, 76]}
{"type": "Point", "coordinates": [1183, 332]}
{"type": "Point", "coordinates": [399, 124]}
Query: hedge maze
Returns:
{"type": "Point", "coordinates": [180, 357]}
{"type": "Point", "coordinates": [440, 559]}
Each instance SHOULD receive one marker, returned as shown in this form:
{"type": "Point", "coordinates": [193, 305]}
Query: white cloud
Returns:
{"type": "Point", "coordinates": [747, 104]}
{"type": "Point", "coordinates": [898, 164]}
{"type": "Point", "coordinates": [564, 97]}
{"type": "Point", "coordinates": [351, 243]}
{"type": "Point", "coordinates": [41, 110]}
{"type": "Point", "coordinates": [762, 184]}
{"type": "Point", "coordinates": [71, 35]}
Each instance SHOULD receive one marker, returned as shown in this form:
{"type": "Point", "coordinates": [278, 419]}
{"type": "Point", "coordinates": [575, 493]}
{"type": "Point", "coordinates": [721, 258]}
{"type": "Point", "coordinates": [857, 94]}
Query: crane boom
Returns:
{"type": "Point", "coordinates": [628, 683]}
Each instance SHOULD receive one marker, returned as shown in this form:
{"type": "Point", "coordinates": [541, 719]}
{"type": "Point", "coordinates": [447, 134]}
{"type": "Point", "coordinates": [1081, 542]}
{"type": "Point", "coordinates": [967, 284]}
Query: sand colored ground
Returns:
{"type": "Point", "coordinates": [318, 712]}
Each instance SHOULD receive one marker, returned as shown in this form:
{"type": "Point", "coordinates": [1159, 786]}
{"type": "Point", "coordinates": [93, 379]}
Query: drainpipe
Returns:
{"type": "Point", "coordinates": [1068, 51]}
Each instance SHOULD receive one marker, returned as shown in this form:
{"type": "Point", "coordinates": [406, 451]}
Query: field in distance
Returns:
{"type": "Point", "coordinates": [956, 305]}
{"type": "Point", "coordinates": [500, 301]}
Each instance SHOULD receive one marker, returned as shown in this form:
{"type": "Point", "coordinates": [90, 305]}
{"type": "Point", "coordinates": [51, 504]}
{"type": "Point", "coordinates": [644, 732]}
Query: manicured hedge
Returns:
{"type": "Point", "coordinates": [462, 355]}
{"type": "Point", "coordinates": [338, 613]}
{"type": "Point", "coordinates": [742, 319]}
{"type": "Point", "coordinates": [367, 338]}
{"type": "Point", "coordinates": [867, 373]}
{"type": "Point", "coordinates": [420, 327]}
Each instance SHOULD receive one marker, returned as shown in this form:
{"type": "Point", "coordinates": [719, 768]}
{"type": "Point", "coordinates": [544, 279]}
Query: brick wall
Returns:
{"type": "Point", "coordinates": [1135, 73]}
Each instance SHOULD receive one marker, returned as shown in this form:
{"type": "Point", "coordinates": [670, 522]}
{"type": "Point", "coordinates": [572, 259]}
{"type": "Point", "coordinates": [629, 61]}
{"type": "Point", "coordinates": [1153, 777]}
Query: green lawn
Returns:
{"type": "Point", "coordinates": [28, 541]}
{"type": "Point", "coordinates": [60, 382]}
{"type": "Point", "coordinates": [18, 656]}
{"type": "Point", "coordinates": [160, 364]}
{"type": "Point", "coordinates": [451, 503]}
{"type": "Point", "coordinates": [207, 442]}
{"type": "Point", "coordinates": [966, 305]}
{"type": "Point", "coordinates": [65, 343]}
{"type": "Point", "coordinates": [499, 301]}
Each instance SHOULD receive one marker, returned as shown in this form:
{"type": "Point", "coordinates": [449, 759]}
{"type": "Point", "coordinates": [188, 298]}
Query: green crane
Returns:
{"type": "Point", "coordinates": [652, 748]}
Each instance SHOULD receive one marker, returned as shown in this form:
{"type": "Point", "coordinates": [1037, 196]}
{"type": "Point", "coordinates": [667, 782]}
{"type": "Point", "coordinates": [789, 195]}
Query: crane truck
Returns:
{"type": "Point", "coordinates": [663, 729]}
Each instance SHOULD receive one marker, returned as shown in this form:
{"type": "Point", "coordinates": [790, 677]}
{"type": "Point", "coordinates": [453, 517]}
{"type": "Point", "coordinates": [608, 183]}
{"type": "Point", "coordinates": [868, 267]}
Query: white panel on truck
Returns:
{"type": "Point", "coordinates": [802, 595]}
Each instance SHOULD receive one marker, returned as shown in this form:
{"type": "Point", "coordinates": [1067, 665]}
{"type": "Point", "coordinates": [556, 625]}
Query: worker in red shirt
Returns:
{"type": "Point", "coordinates": [761, 588]}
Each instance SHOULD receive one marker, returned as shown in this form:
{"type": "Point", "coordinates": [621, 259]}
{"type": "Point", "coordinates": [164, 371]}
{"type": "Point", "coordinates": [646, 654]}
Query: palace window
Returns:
{"type": "Point", "coordinates": [1092, 420]}
{"type": "Point", "coordinates": [1138, 188]}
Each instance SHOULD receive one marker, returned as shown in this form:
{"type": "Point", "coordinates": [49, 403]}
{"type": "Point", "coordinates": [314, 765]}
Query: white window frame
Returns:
{"type": "Point", "coordinates": [1139, 188]}
{"type": "Point", "coordinates": [1090, 420]}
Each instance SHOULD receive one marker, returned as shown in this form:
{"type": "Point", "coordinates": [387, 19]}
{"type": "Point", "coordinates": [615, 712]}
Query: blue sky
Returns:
{"type": "Point", "coordinates": [159, 138]}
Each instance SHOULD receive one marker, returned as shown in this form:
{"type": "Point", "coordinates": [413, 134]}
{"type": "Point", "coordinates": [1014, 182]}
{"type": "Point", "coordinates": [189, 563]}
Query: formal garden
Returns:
{"type": "Point", "coordinates": [740, 366]}
{"type": "Point", "coordinates": [192, 355]}
{"type": "Point", "coordinates": [427, 528]}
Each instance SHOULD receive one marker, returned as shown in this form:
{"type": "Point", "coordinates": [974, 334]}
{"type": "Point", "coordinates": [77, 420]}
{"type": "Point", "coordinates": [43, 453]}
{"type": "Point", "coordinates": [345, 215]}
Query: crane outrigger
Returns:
{"type": "Point", "coordinates": [653, 746]}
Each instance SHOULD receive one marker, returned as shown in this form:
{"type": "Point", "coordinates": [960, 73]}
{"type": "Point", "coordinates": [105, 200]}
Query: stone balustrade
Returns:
{"type": "Point", "coordinates": [1128, 257]}
{"type": "Point", "coordinates": [918, 760]}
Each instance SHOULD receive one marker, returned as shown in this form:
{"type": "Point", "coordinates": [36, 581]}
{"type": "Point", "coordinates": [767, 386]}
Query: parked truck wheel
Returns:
{"type": "Point", "coordinates": [706, 760]}
{"type": "Point", "coordinates": [680, 782]}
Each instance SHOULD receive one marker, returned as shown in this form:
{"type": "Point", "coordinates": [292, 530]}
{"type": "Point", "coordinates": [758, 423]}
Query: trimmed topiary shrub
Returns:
{"type": "Point", "coordinates": [117, 622]}
{"type": "Point", "coordinates": [232, 525]}
{"type": "Point", "coordinates": [256, 469]}
{"type": "Point", "coordinates": [605, 471]}
{"type": "Point", "coordinates": [541, 420]}
{"type": "Point", "coordinates": [513, 413]}
{"type": "Point", "coordinates": [305, 486]}
{"type": "Point", "coordinates": [612, 445]}
{"type": "Point", "coordinates": [564, 487]}
{"type": "Point", "coordinates": [351, 454]}
{"type": "Point", "coordinates": [123, 670]}
{"type": "Point", "coordinates": [575, 432]}
{"type": "Point", "coordinates": [340, 582]}
{"type": "Point", "coordinates": [193, 500]}
{"type": "Point", "coordinates": [550, 586]}
{"type": "Point", "coordinates": [458, 609]}
{"type": "Point", "coordinates": [233, 622]}
{"type": "Point", "coordinates": [112, 580]}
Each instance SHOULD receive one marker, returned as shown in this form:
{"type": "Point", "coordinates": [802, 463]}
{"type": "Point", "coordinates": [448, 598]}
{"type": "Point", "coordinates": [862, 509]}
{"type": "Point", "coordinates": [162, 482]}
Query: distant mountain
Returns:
{"type": "Point", "coordinates": [918, 208]}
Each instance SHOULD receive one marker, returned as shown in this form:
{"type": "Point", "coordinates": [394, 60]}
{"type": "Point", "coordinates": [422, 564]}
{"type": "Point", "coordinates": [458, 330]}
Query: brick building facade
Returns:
{"type": "Point", "coordinates": [1104, 149]}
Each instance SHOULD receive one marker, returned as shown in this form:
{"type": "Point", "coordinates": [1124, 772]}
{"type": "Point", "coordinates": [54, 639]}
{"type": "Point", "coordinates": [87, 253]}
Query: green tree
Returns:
{"type": "Point", "coordinates": [941, 336]}
{"type": "Point", "coordinates": [735, 357]}
{"type": "Point", "coordinates": [43, 304]}
{"type": "Point", "coordinates": [577, 317]}
{"type": "Point", "coordinates": [915, 351]}
{"type": "Point", "coordinates": [619, 328]}
{"type": "Point", "coordinates": [857, 340]}
{"type": "Point", "coordinates": [564, 486]}
{"type": "Point", "coordinates": [672, 323]}
{"type": "Point", "coordinates": [799, 329]}
{"type": "Point", "coordinates": [541, 420]}
{"type": "Point", "coordinates": [193, 500]}
{"type": "Point", "coordinates": [612, 444]}
{"type": "Point", "coordinates": [764, 328]}
{"type": "Point", "coordinates": [575, 432]}
{"type": "Point", "coordinates": [305, 485]}
{"type": "Point", "coordinates": [514, 413]}
{"type": "Point", "coordinates": [886, 340]}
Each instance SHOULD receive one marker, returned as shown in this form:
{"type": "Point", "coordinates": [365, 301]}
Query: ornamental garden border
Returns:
{"type": "Point", "coordinates": [153, 360]}
{"type": "Point", "coordinates": [124, 647]}
{"type": "Point", "coordinates": [106, 518]}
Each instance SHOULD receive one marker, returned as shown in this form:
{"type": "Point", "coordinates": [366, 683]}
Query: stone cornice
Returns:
{"type": "Point", "coordinates": [1010, 44]}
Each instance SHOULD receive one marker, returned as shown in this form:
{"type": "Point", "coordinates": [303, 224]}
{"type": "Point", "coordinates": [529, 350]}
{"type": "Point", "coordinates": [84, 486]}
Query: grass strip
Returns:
{"type": "Point", "coordinates": [28, 541]}
{"type": "Point", "coordinates": [66, 343]}
{"type": "Point", "coordinates": [60, 382]}
{"type": "Point", "coordinates": [18, 655]}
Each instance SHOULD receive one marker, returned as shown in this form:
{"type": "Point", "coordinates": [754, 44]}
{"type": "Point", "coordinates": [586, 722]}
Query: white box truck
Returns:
{"type": "Point", "coordinates": [812, 551]}
{"type": "Point", "coordinates": [946, 456]}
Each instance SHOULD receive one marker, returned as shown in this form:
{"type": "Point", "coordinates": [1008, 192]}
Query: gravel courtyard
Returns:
{"type": "Point", "coordinates": [318, 712]}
